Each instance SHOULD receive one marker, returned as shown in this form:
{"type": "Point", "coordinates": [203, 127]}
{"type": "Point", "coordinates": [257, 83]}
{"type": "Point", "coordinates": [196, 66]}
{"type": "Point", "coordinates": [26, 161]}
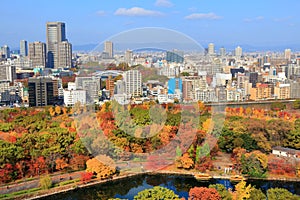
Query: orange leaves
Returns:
{"type": "Point", "coordinates": [185, 162]}
{"type": "Point", "coordinates": [61, 164]}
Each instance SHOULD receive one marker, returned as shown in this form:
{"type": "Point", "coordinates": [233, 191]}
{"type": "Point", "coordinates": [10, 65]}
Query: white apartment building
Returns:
{"type": "Point", "coordinates": [133, 83]}
{"type": "Point", "coordinates": [73, 96]}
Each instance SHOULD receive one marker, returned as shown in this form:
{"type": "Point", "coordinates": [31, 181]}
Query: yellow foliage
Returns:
{"type": "Point", "coordinates": [52, 112]}
{"type": "Point", "coordinates": [242, 191]}
{"type": "Point", "coordinates": [103, 171]}
{"type": "Point", "coordinates": [207, 126]}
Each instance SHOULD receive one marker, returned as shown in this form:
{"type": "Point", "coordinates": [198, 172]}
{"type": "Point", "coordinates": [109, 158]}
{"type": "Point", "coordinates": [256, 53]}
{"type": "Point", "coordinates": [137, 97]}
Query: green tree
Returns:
{"type": "Point", "coordinates": [296, 104]}
{"type": "Point", "coordinates": [45, 182]}
{"type": "Point", "coordinates": [156, 192]}
{"type": "Point", "coordinates": [293, 137]}
{"type": "Point", "coordinates": [225, 194]}
{"type": "Point", "coordinates": [257, 194]}
{"type": "Point", "coordinates": [277, 106]}
{"type": "Point", "coordinates": [280, 194]}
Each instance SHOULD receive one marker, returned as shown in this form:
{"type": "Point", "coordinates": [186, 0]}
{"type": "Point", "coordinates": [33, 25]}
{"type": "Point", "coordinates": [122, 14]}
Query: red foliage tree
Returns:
{"type": "Point", "coordinates": [6, 173]}
{"type": "Point", "coordinates": [200, 193]}
{"type": "Point", "coordinates": [37, 166]}
{"type": "Point", "coordinates": [86, 177]}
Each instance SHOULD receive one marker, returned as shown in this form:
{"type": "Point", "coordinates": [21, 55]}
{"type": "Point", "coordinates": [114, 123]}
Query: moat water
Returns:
{"type": "Point", "coordinates": [181, 184]}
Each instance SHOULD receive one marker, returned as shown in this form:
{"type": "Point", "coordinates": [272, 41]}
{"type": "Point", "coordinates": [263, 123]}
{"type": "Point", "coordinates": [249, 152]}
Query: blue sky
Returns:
{"type": "Point", "coordinates": [224, 22]}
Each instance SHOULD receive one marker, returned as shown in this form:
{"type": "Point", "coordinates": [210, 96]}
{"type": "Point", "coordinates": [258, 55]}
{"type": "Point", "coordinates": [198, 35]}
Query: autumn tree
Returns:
{"type": "Point", "coordinates": [224, 193]}
{"type": "Point", "coordinates": [242, 191]}
{"type": "Point", "coordinates": [86, 176]}
{"type": "Point", "coordinates": [102, 170]}
{"type": "Point", "coordinates": [185, 162]}
{"type": "Point", "coordinates": [200, 193]}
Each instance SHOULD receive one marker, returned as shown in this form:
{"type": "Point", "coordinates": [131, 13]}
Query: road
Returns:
{"type": "Point", "coordinates": [56, 178]}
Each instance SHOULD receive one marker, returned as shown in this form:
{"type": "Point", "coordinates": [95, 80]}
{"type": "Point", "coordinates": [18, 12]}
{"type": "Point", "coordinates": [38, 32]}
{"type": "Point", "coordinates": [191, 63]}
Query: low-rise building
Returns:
{"type": "Point", "coordinates": [261, 92]}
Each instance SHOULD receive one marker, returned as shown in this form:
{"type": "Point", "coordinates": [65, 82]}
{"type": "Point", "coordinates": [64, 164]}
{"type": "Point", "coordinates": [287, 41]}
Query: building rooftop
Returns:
{"type": "Point", "coordinates": [288, 150]}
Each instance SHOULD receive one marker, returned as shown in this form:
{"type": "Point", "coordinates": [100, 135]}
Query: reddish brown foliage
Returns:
{"type": "Point", "coordinates": [200, 193]}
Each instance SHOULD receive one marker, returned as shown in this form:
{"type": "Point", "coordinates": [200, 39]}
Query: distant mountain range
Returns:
{"type": "Point", "coordinates": [229, 48]}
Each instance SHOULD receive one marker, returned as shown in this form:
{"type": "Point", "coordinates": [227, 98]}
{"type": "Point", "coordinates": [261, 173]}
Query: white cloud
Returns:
{"type": "Point", "coordinates": [101, 13]}
{"type": "Point", "coordinates": [137, 11]}
{"type": "Point", "coordinates": [211, 16]}
{"type": "Point", "coordinates": [258, 18]}
{"type": "Point", "coordinates": [163, 3]}
{"type": "Point", "coordinates": [284, 19]}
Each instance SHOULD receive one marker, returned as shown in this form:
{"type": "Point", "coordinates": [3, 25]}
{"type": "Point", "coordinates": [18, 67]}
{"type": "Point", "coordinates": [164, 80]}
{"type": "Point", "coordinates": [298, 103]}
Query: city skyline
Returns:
{"type": "Point", "coordinates": [267, 23]}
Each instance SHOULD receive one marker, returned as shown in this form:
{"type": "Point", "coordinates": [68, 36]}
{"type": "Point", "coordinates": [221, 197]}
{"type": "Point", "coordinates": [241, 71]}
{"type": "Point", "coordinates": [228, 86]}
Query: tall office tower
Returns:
{"type": "Point", "coordinates": [287, 54]}
{"type": "Point", "coordinates": [56, 33]}
{"type": "Point", "coordinates": [211, 49]}
{"type": "Point", "coordinates": [5, 51]}
{"type": "Point", "coordinates": [109, 49]}
{"type": "Point", "coordinates": [7, 72]}
{"type": "Point", "coordinates": [40, 91]}
{"type": "Point", "coordinates": [133, 83]}
{"type": "Point", "coordinates": [23, 48]}
{"type": "Point", "coordinates": [222, 52]}
{"type": "Point", "coordinates": [65, 54]}
{"type": "Point", "coordinates": [37, 54]}
{"type": "Point", "coordinates": [238, 52]}
{"type": "Point", "coordinates": [128, 57]}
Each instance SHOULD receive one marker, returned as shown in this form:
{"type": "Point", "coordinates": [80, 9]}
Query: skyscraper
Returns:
{"type": "Point", "coordinates": [222, 52]}
{"type": "Point", "coordinates": [108, 48]}
{"type": "Point", "coordinates": [238, 52]}
{"type": "Point", "coordinates": [65, 54]}
{"type": "Point", "coordinates": [5, 51]}
{"type": "Point", "coordinates": [37, 54]}
{"type": "Point", "coordinates": [8, 72]}
{"type": "Point", "coordinates": [128, 57]}
{"type": "Point", "coordinates": [56, 34]}
{"type": "Point", "coordinates": [211, 49]}
{"type": "Point", "coordinates": [287, 54]}
{"type": "Point", "coordinates": [23, 48]}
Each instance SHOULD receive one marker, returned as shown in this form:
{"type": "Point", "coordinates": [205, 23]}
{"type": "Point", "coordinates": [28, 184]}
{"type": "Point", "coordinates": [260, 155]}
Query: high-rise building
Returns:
{"type": "Point", "coordinates": [133, 83]}
{"type": "Point", "coordinates": [5, 51]}
{"type": "Point", "coordinates": [65, 54]}
{"type": "Point", "coordinates": [56, 34]}
{"type": "Point", "coordinates": [37, 54]}
{"type": "Point", "coordinates": [238, 52]}
{"type": "Point", "coordinates": [108, 48]}
{"type": "Point", "coordinates": [211, 49]}
{"type": "Point", "coordinates": [8, 72]}
{"type": "Point", "coordinates": [222, 52]}
{"type": "Point", "coordinates": [23, 48]}
{"type": "Point", "coordinates": [128, 57]}
{"type": "Point", "coordinates": [110, 85]}
{"type": "Point", "coordinates": [287, 54]}
{"type": "Point", "coordinates": [40, 91]}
